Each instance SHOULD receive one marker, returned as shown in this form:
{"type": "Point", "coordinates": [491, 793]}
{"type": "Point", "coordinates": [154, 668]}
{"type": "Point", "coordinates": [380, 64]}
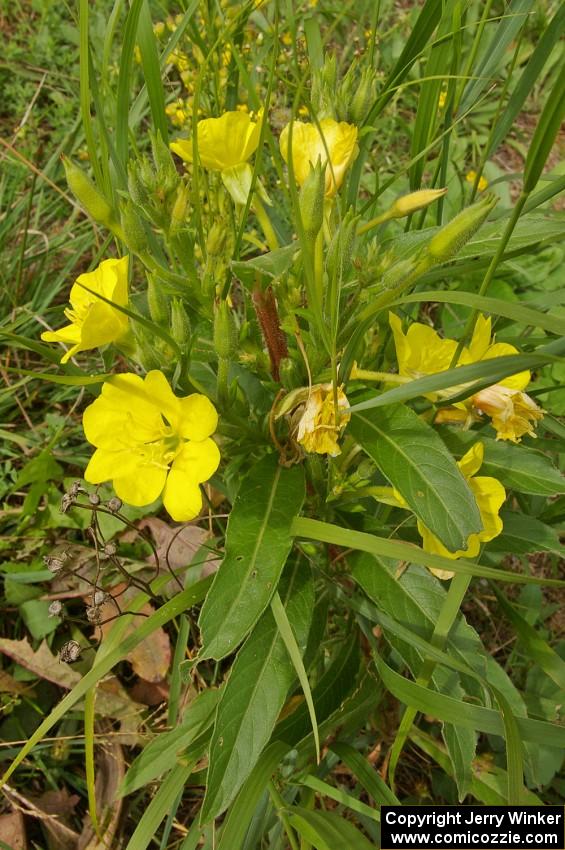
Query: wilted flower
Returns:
{"type": "Point", "coordinates": [149, 442]}
{"type": "Point", "coordinates": [333, 142]}
{"type": "Point", "coordinates": [318, 428]}
{"type": "Point", "coordinates": [93, 321]}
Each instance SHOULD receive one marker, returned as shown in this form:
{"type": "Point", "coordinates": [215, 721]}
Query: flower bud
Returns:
{"type": "Point", "coordinates": [87, 194]}
{"type": "Point", "coordinates": [225, 332]}
{"type": "Point", "coordinates": [311, 200]}
{"type": "Point", "coordinates": [408, 204]}
{"type": "Point", "coordinates": [134, 230]}
{"type": "Point", "coordinates": [180, 206]}
{"type": "Point", "coordinates": [323, 93]}
{"type": "Point", "coordinates": [180, 323]}
{"type": "Point", "coordinates": [451, 238]}
{"type": "Point", "coordinates": [157, 301]}
{"type": "Point", "coordinates": [403, 273]}
{"type": "Point", "coordinates": [167, 174]}
{"type": "Point", "coordinates": [364, 97]}
{"type": "Point", "coordinates": [340, 252]}
{"type": "Point", "coordinates": [216, 240]}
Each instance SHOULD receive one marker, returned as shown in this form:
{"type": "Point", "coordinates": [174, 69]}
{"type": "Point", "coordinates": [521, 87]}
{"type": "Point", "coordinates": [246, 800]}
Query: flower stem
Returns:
{"type": "Point", "coordinates": [265, 223]}
{"type": "Point", "coordinates": [385, 377]}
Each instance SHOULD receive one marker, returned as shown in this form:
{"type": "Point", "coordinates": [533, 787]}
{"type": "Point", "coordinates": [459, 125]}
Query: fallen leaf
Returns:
{"type": "Point", "coordinates": [149, 693]}
{"type": "Point", "coordinates": [12, 831]}
{"type": "Point", "coordinates": [151, 658]}
{"type": "Point", "coordinates": [9, 685]}
{"type": "Point", "coordinates": [175, 544]}
{"type": "Point", "coordinates": [59, 836]}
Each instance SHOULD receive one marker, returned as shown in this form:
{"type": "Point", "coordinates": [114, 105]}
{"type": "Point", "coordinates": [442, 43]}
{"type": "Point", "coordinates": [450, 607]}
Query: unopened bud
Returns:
{"type": "Point", "coordinates": [180, 323]}
{"type": "Point", "coordinates": [94, 499]}
{"type": "Point", "coordinates": [311, 200]}
{"type": "Point", "coordinates": [364, 97]}
{"type": "Point", "coordinates": [87, 194]}
{"type": "Point", "coordinates": [451, 238]}
{"type": "Point", "coordinates": [180, 206]}
{"type": "Point", "coordinates": [225, 331]}
{"type": "Point", "coordinates": [401, 273]}
{"type": "Point", "coordinates": [115, 504]}
{"type": "Point", "coordinates": [168, 176]}
{"type": "Point", "coordinates": [134, 230]}
{"type": "Point", "coordinates": [216, 241]}
{"type": "Point", "coordinates": [157, 301]}
{"type": "Point", "coordinates": [340, 251]}
{"type": "Point", "coordinates": [408, 204]}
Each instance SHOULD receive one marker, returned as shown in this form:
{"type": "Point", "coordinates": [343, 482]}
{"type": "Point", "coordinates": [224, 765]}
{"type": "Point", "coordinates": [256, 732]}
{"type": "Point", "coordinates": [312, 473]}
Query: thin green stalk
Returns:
{"type": "Point", "coordinates": [89, 716]}
{"type": "Point", "coordinates": [265, 222]}
{"type": "Point", "coordinates": [447, 616]}
{"type": "Point", "coordinates": [280, 807]}
{"type": "Point", "coordinates": [490, 272]}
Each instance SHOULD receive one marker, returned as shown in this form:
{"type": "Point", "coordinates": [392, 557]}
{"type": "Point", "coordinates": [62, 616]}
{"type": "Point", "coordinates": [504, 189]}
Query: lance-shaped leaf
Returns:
{"type": "Point", "coordinates": [417, 463]}
{"type": "Point", "coordinates": [258, 541]}
{"type": "Point", "coordinates": [255, 693]}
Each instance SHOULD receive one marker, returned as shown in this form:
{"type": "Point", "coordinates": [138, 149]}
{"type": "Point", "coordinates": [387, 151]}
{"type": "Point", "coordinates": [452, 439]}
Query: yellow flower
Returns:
{"type": "Point", "coordinates": [318, 430]}
{"type": "Point", "coordinates": [93, 321]}
{"type": "Point", "coordinates": [421, 351]}
{"type": "Point", "coordinates": [441, 99]}
{"type": "Point", "coordinates": [489, 495]}
{"type": "Point", "coordinates": [472, 176]}
{"type": "Point", "coordinates": [334, 143]}
{"type": "Point", "coordinates": [225, 144]}
{"type": "Point", "coordinates": [149, 442]}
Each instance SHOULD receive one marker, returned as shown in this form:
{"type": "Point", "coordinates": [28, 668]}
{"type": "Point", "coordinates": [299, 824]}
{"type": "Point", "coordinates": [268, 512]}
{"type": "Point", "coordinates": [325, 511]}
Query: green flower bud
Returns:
{"type": "Point", "coordinates": [167, 174]}
{"type": "Point", "coordinates": [180, 323]}
{"type": "Point", "coordinates": [451, 238]}
{"type": "Point", "coordinates": [225, 331]}
{"type": "Point", "coordinates": [340, 252]}
{"type": "Point", "coordinates": [364, 97]}
{"type": "Point", "coordinates": [136, 187]}
{"type": "Point", "coordinates": [216, 240]}
{"type": "Point", "coordinates": [180, 206]}
{"type": "Point", "coordinates": [134, 231]}
{"type": "Point", "coordinates": [87, 194]}
{"type": "Point", "coordinates": [402, 273]}
{"type": "Point", "coordinates": [324, 89]}
{"type": "Point", "coordinates": [311, 200]}
{"type": "Point", "coordinates": [157, 301]}
{"type": "Point", "coordinates": [408, 204]}
{"type": "Point", "coordinates": [146, 353]}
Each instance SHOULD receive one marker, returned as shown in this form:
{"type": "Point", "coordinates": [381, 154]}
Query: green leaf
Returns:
{"type": "Point", "coordinates": [158, 755]}
{"type": "Point", "coordinates": [451, 710]}
{"type": "Point", "coordinates": [271, 265]}
{"type": "Point", "coordinates": [42, 468]}
{"type": "Point", "coordinates": [546, 130]}
{"type": "Point", "coordinates": [538, 649]}
{"type": "Point", "coordinates": [35, 614]}
{"type": "Point", "coordinates": [416, 462]}
{"type": "Point", "coordinates": [314, 529]}
{"type": "Point", "coordinates": [258, 541]}
{"type": "Point", "coordinates": [522, 534]}
{"type": "Point", "coordinates": [255, 694]}
{"type": "Point", "coordinates": [151, 70]}
{"type": "Point", "coordinates": [340, 796]}
{"type": "Point", "coordinates": [369, 778]}
{"type": "Point", "coordinates": [240, 814]}
{"type": "Point", "coordinates": [517, 467]}
{"type": "Point", "coordinates": [162, 802]}
{"type": "Point", "coordinates": [327, 830]}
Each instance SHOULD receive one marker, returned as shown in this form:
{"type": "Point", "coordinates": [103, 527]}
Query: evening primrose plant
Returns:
{"type": "Point", "coordinates": [267, 345]}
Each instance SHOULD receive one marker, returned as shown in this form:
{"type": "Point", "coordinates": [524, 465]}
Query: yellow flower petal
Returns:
{"type": "Point", "coordinates": [198, 417]}
{"type": "Point", "coordinates": [334, 143]}
{"type": "Point", "coordinates": [198, 460]}
{"type": "Point", "coordinates": [182, 497]}
{"type": "Point", "coordinates": [158, 390]}
{"type": "Point", "coordinates": [142, 486]}
{"type": "Point", "coordinates": [472, 460]}
{"type": "Point", "coordinates": [223, 142]}
{"type": "Point", "coordinates": [104, 465]}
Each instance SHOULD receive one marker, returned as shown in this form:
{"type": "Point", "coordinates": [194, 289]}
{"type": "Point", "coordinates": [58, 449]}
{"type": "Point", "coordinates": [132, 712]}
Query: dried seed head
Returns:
{"type": "Point", "coordinates": [74, 489]}
{"type": "Point", "coordinates": [66, 503]}
{"type": "Point", "coordinates": [53, 563]}
{"type": "Point", "coordinates": [94, 499]}
{"type": "Point", "coordinates": [93, 614]}
{"type": "Point", "coordinates": [115, 504]}
{"type": "Point", "coordinates": [99, 597]}
{"type": "Point", "coordinates": [70, 652]}
{"type": "Point", "coordinates": [110, 549]}
{"type": "Point", "coordinates": [55, 608]}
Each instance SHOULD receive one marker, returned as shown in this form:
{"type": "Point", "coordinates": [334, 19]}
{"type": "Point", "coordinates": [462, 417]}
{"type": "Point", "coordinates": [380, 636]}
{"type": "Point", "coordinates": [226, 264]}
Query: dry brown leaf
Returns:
{"type": "Point", "coordinates": [151, 658]}
{"type": "Point", "coordinates": [12, 831]}
{"type": "Point", "coordinates": [111, 698]}
{"type": "Point", "coordinates": [59, 836]}
{"type": "Point", "coordinates": [149, 693]}
{"type": "Point", "coordinates": [9, 685]}
{"type": "Point", "coordinates": [178, 544]}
